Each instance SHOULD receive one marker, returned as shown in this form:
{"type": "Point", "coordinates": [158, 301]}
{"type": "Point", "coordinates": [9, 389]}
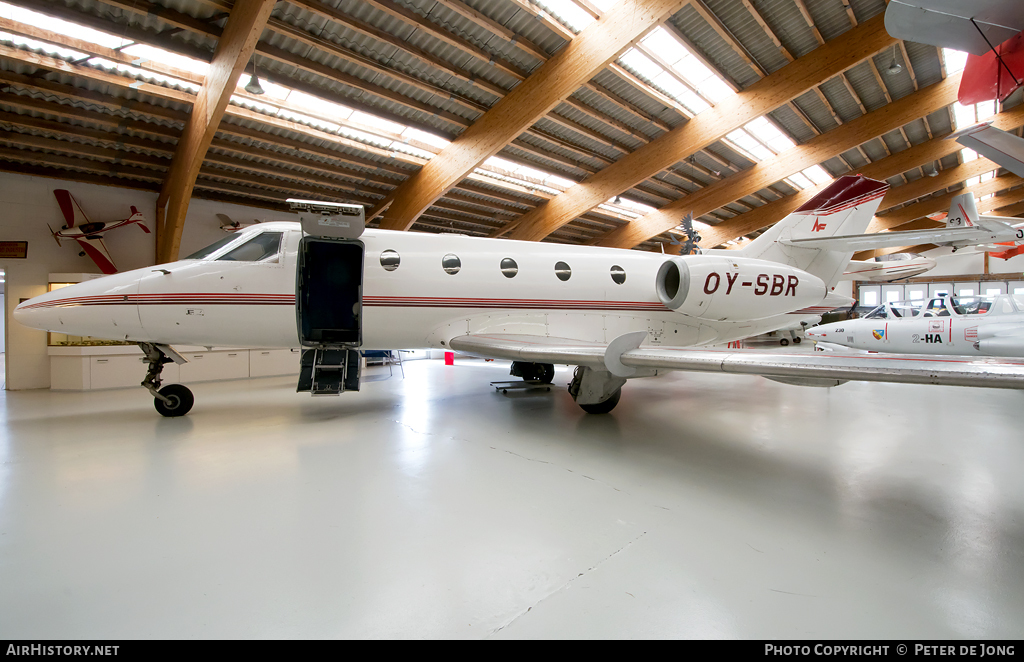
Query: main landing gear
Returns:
{"type": "Point", "coordinates": [595, 391]}
{"type": "Point", "coordinates": [537, 373]}
{"type": "Point", "coordinates": [173, 399]}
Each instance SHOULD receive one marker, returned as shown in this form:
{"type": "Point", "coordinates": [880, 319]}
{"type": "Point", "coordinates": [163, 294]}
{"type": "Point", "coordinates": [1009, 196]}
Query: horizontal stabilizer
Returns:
{"type": "Point", "coordinates": [995, 145]}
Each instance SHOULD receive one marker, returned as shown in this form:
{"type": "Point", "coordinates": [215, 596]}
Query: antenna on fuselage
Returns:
{"type": "Point", "coordinates": [330, 219]}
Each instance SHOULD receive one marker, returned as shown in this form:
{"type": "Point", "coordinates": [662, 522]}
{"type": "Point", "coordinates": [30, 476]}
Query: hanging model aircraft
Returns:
{"type": "Point", "coordinates": [948, 325]}
{"type": "Point", "coordinates": [89, 235]}
{"type": "Point", "coordinates": [989, 30]}
{"type": "Point", "coordinates": [228, 224]}
{"type": "Point", "coordinates": [331, 288]}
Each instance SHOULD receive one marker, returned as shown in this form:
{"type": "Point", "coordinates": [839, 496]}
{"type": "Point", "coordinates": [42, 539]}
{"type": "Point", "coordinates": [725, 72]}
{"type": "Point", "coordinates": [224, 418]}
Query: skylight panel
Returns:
{"type": "Point", "coordinates": [136, 72]}
{"type": "Point", "coordinates": [146, 52]}
{"type": "Point", "coordinates": [500, 163]}
{"type": "Point", "coordinates": [817, 174]}
{"type": "Point", "coordinates": [62, 27]}
{"type": "Point", "coordinates": [684, 95]}
{"type": "Point", "coordinates": [673, 53]}
{"type": "Point", "coordinates": [799, 180]}
{"type": "Point", "coordinates": [559, 182]}
{"type": "Point", "coordinates": [50, 49]}
{"type": "Point", "coordinates": [316, 105]}
{"type": "Point", "coordinates": [428, 138]}
{"type": "Point", "coordinates": [769, 134]}
{"type": "Point", "coordinates": [567, 11]}
{"type": "Point", "coordinates": [359, 117]}
{"type": "Point", "coordinates": [749, 146]}
{"type": "Point", "coordinates": [665, 45]}
{"type": "Point", "coordinates": [955, 60]}
{"type": "Point", "coordinates": [641, 64]}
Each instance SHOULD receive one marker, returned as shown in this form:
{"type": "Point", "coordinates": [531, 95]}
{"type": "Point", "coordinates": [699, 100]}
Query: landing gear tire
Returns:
{"type": "Point", "coordinates": [544, 374]}
{"type": "Point", "coordinates": [604, 407]}
{"type": "Point", "coordinates": [179, 400]}
{"type": "Point", "coordinates": [534, 373]}
{"type": "Point", "coordinates": [797, 340]}
{"type": "Point", "coordinates": [784, 342]}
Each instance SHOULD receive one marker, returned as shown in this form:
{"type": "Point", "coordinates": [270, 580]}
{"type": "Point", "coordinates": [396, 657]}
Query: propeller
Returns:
{"type": "Point", "coordinates": [689, 245]}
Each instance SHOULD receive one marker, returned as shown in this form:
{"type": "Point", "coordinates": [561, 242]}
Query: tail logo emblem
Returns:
{"type": "Point", "coordinates": [818, 226]}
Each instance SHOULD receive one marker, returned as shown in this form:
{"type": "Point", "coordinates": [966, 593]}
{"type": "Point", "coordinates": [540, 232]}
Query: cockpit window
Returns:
{"type": "Point", "coordinates": [878, 313]}
{"type": "Point", "coordinates": [970, 305]}
{"type": "Point", "coordinates": [262, 247]}
{"type": "Point", "coordinates": [212, 248]}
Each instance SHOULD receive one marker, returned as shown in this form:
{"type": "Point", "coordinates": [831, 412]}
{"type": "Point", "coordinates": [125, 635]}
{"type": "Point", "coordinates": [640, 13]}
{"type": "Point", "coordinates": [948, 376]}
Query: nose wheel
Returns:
{"type": "Point", "coordinates": [177, 400]}
{"type": "Point", "coordinates": [171, 400]}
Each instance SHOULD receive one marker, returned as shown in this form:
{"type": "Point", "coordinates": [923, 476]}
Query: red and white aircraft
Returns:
{"type": "Point", "coordinates": [616, 314]}
{"type": "Point", "coordinates": [89, 235]}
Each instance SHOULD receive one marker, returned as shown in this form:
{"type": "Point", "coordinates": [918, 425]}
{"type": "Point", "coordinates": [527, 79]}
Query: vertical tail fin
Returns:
{"type": "Point", "coordinates": [844, 207]}
{"type": "Point", "coordinates": [963, 212]}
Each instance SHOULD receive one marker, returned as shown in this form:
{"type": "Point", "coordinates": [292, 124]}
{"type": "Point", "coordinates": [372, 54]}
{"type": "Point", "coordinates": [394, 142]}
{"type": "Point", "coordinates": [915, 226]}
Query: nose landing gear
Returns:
{"type": "Point", "coordinates": [173, 399]}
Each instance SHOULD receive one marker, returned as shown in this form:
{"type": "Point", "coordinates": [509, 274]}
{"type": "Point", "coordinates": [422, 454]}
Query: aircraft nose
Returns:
{"type": "Point", "coordinates": [36, 313]}
{"type": "Point", "coordinates": [104, 308]}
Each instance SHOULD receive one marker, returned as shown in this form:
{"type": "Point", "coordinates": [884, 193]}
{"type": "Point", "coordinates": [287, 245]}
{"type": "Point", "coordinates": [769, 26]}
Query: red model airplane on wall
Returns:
{"type": "Point", "coordinates": [89, 235]}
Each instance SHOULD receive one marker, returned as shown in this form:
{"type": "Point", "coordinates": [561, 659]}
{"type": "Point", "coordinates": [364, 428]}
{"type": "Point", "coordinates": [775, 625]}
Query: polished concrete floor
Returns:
{"type": "Point", "coordinates": [432, 506]}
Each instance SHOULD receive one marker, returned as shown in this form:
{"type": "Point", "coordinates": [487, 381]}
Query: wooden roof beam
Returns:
{"type": "Point", "coordinates": [235, 47]}
{"type": "Point", "coordinates": [553, 81]}
{"type": "Point", "coordinates": [763, 96]}
{"type": "Point", "coordinates": [940, 203]}
{"type": "Point", "coordinates": [772, 212]}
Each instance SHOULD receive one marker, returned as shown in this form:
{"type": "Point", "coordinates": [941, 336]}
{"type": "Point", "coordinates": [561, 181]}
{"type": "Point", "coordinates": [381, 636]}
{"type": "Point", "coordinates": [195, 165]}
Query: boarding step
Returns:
{"type": "Point", "coordinates": [329, 371]}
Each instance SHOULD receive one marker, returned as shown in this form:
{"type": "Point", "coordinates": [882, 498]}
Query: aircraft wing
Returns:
{"type": "Point", "coordinates": [808, 369]}
{"type": "Point", "coordinates": [97, 250]}
{"type": "Point", "coordinates": [994, 144]}
{"type": "Point", "coordinates": [995, 231]}
{"type": "Point", "coordinates": [69, 207]}
{"type": "Point", "coordinates": [951, 23]}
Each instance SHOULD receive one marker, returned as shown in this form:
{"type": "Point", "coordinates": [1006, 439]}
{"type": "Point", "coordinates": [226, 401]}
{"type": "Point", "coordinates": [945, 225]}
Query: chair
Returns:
{"type": "Point", "coordinates": [388, 357]}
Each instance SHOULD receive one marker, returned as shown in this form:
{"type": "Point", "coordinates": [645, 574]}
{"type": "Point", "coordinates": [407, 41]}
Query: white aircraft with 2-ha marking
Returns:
{"type": "Point", "coordinates": [332, 289]}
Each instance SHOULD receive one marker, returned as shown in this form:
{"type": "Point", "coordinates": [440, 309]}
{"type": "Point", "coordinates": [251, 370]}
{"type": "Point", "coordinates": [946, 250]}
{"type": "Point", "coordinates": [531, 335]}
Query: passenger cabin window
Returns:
{"type": "Point", "coordinates": [264, 247]}
{"type": "Point", "coordinates": [618, 274]}
{"type": "Point", "coordinates": [390, 260]}
{"type": "Point", "coordinates": [451, 264]}
{"type": "Point", "coordinates": [563, 271]}
{"type": "Point", "coordinates": [509, 268]}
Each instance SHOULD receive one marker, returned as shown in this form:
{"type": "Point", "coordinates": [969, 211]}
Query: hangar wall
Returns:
{"type": "Point", "coordinates": [28, 206]}
{"type": "Point", "coordinates": [962, 262]}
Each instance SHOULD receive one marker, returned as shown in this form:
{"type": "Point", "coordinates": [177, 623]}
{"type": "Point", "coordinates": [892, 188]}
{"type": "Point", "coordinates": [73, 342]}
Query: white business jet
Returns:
{"type": "Point", "coordinates": [966, 326]}
{"type": "Point", "coordinates": [331, 288]}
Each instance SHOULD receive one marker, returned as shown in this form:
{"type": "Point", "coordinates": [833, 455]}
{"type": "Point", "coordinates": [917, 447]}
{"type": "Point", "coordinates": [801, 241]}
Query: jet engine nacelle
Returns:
{"type": "Point", "coordinates": [722, 288]}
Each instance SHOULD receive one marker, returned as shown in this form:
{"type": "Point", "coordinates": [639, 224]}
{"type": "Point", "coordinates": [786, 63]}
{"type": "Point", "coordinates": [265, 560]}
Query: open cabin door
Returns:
{"type": "Point", "coordinates": [329, 299]}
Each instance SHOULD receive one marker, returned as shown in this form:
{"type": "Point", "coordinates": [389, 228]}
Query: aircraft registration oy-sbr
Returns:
{"type": "Point", "coordinates": [332, 289]}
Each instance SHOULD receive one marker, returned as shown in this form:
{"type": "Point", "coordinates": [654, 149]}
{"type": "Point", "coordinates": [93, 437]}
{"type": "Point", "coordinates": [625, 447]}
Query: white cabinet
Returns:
{"type": "Point", "coordinates": [272, 362]}
{"type": "Point", "coordinates": [86, 368]}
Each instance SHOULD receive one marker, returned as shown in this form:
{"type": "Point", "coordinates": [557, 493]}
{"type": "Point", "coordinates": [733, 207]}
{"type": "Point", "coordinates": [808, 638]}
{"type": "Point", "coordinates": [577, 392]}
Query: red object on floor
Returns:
{"type": "Point", "coordinates": [449, 358]}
